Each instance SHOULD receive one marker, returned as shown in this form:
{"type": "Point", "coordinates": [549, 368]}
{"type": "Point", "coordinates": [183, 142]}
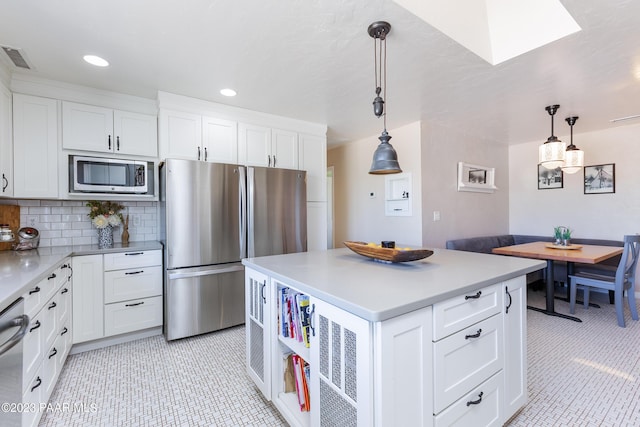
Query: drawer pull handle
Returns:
{"type": "Point", "coordinates": [64, 291]}
{"type": "Point", "coordinates": [39, 382]}
{"type": "Point", "coordinates": [134, 272]}
{"type": "Point", "coordinates": [53, 353]}
{"type": "Point", "coordinates": [475, 402]}
{"type": "Point", "coordinates": [64, 331]}
{"type": "Point", "coordinates": [262, 288]}
{"type": "Point", "coordinates": [52, 305]}
{"type": "Point", "coordinates": [476, 296]}
{"type": "Point", "coordinates": [36, 326]}
{"type": "Point", "coordinates": [476, 335]}
{"type": "Point", "coordinates": [134, 304]}
{"type": "Point", "coordinates": [34, 290]}
{"type": "Point", "coordinates": [506, 288]}
{"type": "Point", "coordinates": [134, 253]}
{"type": "Point", "coordinates": [311, 325]}
{"type": "Point", "coordinates": [53, 276]}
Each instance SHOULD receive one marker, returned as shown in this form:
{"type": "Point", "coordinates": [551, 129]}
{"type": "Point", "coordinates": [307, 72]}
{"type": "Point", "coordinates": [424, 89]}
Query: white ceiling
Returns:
{"type": "Point", "coordinates": [313, 60]}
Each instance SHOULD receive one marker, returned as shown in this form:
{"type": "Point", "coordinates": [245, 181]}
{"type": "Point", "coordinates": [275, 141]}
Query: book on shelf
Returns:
{"type": "Point", "coordinates": [294, 315]}
{"type": "Point", "coordinates": [289, 374]}
{"type": "Point", "coordinates": [301, 369]}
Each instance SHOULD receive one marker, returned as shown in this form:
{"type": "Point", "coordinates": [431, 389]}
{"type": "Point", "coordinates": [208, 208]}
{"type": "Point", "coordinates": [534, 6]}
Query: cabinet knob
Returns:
{"type": "Point", "coordinates": [34, 290]}
{"type": "Point", "coordinates": [53, 353]}
{"type": "Point", "coordinates": [52, 305]}
{"type": "Point", "coordinates": [37, 325]}
{"type": "Point", "coordinates": [475, 402]}
{"type": "Point", "coordinates": [64, 331]}
{"type": "Point", "coordinates": [38, 384]}
{"type": "Point", "coordinates": [53, 276]}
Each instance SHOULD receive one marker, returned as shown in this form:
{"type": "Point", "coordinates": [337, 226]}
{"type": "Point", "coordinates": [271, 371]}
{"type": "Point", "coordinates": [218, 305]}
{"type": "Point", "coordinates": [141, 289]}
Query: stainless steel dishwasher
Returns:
{"type": "Point", "coordinates": [13, 327]}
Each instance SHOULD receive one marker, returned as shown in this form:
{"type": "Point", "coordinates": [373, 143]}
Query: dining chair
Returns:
{"type": "Point", "coordinates": [624, 280]}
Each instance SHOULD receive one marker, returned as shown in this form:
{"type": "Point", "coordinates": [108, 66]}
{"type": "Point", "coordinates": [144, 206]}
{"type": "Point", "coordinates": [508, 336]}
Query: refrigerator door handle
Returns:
{"type": "Point", "coordinates": [185, 275]}
{"type": "Point", "coordinates": [243, 211]}
{"type": "Point", "coordinates": [250, 212]}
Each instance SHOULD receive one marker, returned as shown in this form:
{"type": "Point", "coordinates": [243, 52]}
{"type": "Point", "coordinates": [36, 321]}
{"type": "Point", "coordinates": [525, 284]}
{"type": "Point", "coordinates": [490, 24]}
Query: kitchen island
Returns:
{"type": "Point", "coordinates": [432, 342]}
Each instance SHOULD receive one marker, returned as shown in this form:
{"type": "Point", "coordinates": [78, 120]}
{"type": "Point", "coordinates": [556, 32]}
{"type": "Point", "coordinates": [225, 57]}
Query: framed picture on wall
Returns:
{"type": "Point", "coordinates": [549, 178]}
{"type": "Point", "coordinates": [600, 179]}
{"type": "Point", "coordinates": [476, 178]}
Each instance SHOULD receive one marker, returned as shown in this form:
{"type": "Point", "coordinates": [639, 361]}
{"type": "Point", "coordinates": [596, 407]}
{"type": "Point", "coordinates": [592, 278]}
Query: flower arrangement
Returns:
{"type": "Point", "coordinates": [104, 214]}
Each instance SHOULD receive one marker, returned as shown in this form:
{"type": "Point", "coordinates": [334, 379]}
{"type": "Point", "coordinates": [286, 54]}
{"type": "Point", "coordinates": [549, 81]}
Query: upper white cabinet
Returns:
{"type": "Point", "coordinates": [196, 137]}
{"type": "Point", "coordinates": [6, 144]}
{"type": "Point", "coordinates": [263, 146]}
{"type": "Point", "coordinates": [313, 159]}
{"type": "Point", "coordinates": [35, 147]}
{"type": "Point", "coordinates": [92, 128]}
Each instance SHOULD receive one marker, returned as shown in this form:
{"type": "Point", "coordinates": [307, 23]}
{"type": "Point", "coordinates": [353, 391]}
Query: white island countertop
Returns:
{"type": "Point", "coordinates": [378, 291]}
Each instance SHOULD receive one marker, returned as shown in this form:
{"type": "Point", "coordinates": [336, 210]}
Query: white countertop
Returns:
{"type": "Point", "coordinates": [377, 291]}
{"type": "Point", "coordinates": [22, 269]}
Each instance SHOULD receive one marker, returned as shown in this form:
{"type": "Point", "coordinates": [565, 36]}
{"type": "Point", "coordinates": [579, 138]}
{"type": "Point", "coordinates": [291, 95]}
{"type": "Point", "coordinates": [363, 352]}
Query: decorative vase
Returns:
{"type": "Point", "coordinates": [105, 237]}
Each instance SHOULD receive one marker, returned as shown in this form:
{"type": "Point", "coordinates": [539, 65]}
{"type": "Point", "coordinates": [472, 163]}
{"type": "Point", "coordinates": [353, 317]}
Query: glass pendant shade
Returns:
{"type": "Point", "coordinates": [385, 159]}
{"type": "Point", "coordinates": [551, 154]}
{"type": "Point", "coordinates": [573, 161]}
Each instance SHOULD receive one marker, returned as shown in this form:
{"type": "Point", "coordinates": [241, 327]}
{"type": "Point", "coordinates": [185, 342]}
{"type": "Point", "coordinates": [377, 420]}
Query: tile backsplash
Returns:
{"type": "Point", "coordinates": [65, 222]}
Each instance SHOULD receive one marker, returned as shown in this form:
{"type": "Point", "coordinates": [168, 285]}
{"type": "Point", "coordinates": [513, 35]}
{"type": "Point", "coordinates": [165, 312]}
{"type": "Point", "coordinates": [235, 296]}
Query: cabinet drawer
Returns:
{"type": "Point", "coordinates": [32, 396]}
{"type": "Point", "coordinates": [459, 312]}
{"type": "Point", "coordinates": [132, 259]}
{"type": "Point", "coordinates": [474, 409]}
{"type": "Point", "coordinates": [125, 285]}
{"type": "Point", "coordinates": [466, 359]}
{"type": "Point", "coordinates": [133, 315]}
{"type": "Point", "coordinates": [32, 349]}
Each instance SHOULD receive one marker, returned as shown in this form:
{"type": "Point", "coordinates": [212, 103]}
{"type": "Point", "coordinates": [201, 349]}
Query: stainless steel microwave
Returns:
{"type": "Point", "coordinates": [104, 175]}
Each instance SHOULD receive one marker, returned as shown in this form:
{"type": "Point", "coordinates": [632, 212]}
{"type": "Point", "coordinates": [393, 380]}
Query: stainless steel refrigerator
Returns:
{"type": "Point", "coordinates": [212, 215]}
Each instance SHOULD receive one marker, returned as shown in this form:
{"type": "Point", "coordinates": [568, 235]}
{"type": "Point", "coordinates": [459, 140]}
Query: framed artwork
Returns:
{"type": "Point", "coordinates": [549, 178]}
{"type": "Point", "coordinates": [476, 178]}
{"type": "Point", "coordinates": [600, 179]}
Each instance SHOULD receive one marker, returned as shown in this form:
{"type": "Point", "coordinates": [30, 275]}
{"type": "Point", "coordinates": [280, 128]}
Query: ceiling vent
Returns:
{"type": "Point", "coordinates": [17, 57]}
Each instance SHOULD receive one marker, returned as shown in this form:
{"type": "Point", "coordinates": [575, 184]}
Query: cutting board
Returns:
{"type": "Point", "coordinates": [9, 214]}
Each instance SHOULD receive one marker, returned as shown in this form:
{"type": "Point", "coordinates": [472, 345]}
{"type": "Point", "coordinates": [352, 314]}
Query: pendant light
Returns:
{"type": "Point", "coordinates": [551, 153]}
{"type": "Point", "coordinates": [385, 159]}
{"type": "Point", "coordinates": [573, 157]}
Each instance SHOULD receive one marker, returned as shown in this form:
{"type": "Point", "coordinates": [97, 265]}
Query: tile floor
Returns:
{"type": "Point", "coordinates": [580, 374]}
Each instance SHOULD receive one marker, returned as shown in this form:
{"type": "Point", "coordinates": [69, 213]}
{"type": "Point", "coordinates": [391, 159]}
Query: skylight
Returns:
{"type": "Point", "coordinates": [496, 30]}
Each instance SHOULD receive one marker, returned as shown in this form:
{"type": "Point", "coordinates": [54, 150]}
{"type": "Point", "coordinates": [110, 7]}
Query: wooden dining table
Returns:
{"type": "Point", "coordinates": [586, 254]}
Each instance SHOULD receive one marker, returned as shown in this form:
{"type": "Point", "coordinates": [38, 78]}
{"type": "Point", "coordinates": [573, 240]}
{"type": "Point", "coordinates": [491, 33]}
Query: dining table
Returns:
{"type": "Point", "coordinates": [586, 254]}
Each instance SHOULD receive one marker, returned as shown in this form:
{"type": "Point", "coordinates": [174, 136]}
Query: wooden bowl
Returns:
{"type": "Point", "coordinates": [388, 254]}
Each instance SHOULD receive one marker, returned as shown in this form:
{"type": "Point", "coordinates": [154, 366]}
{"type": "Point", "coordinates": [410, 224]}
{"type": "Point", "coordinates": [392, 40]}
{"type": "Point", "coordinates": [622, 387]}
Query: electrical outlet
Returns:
{"type": "Point", "coordinates": [436, 215]}
{"type": "Point", "coordinates": [136, 220]}
{"type": "Point", "coordinates": [32, 221]}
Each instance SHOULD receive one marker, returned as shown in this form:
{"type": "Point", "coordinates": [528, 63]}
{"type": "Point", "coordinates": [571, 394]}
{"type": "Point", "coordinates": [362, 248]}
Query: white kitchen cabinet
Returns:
{"type": "Point", "coordinates": [258, 304]}
{"type": "Point", "coordinates": [263, 146]}
{"type": "Point", "coordinates": [196, 137]}
{"type": "Point", "coordinates": [313, 159]}
{"type": "Point", "coordinates": [35, 147]}
{"type": "Point", "coordinates": [454, 363]}
{"type": "Point", "coordinates": [341, 386]}
{"type": "Point", "coordinates": [6, 143]}
{"type": "Point", "coordinates": [515, 344]}
{"type": "Point", "coordinates": [88, 298]}
{"type": "Point", "coordinates": [48, 338]}
{"type": "Point", "coordinates": [219, 140]}
{"type": "Point", "coordinates": [317, 226]}
{"type": "Point", "coordinates": [92, 128]}
{"type": "Point", "coordinates": [117, 293]}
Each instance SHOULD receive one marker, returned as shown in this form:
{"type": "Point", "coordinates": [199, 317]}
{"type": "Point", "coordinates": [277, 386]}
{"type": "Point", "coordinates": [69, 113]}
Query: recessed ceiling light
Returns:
{"type": "Point", "coordinates": [228, 92]}
{"type": "Point", "coordinates": [96, 60]}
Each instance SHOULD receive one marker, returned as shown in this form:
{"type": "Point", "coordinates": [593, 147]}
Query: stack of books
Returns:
{"type": "Point", "coordinates": [294, 315]}
{"type": "Point", "coordinates": [297, 379]}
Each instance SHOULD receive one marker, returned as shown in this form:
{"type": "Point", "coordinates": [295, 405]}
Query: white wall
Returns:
{"type": "Point", "coordinates": [361, 218]}
{"type": "Point", "coordinates": [606, 216]}
{"type": "Point", "coordinates": [462, 214]}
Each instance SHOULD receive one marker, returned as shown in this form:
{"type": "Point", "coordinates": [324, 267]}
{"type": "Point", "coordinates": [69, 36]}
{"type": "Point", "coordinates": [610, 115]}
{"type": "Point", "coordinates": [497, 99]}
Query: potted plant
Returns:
{"type": "Point", "coordinates": [104, 216]}
{"type": "Point", "coordinates": [566, 236]}
{"type": "Point", "coordinates": [557, 234]}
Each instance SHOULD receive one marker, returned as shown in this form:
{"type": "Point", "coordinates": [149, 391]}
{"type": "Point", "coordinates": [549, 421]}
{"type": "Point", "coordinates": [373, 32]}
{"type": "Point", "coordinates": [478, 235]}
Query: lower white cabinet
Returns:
{"type": "Point", "coordinates": [48, 338]}
{"type": "Point", "coordinates": [118, 293]}
{"type": "Point", "coordinates": [460, 362]}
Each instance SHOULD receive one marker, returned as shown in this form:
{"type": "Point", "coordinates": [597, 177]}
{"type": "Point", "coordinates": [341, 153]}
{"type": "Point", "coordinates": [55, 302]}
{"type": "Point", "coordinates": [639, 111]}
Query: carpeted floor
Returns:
{"type": "Point", "coordinates": [580, 374]}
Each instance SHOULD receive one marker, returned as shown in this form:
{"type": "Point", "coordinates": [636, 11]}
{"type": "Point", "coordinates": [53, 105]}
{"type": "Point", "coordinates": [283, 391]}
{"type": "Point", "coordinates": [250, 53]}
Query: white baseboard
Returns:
{"type": "Point", "coordinates": [118, 339]}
